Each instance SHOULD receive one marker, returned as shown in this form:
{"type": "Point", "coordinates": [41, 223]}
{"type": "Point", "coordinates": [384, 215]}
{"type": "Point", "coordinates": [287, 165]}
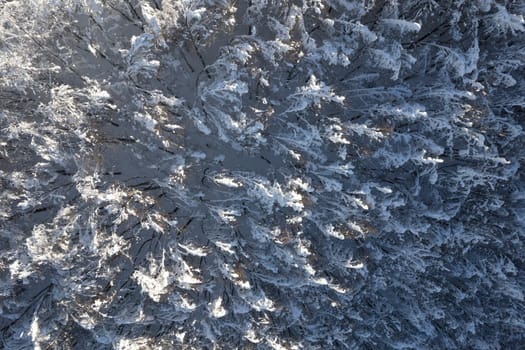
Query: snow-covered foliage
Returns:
{"type": "Point", "coordinates": [262, 174]}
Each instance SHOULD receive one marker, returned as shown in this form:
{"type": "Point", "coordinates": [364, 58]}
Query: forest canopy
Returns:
{"type": "Point", "coordinates": [293, 174]}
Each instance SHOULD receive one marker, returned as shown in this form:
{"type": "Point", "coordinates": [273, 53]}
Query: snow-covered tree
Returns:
{"type": "Point", "coordinates": [261, 174]}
